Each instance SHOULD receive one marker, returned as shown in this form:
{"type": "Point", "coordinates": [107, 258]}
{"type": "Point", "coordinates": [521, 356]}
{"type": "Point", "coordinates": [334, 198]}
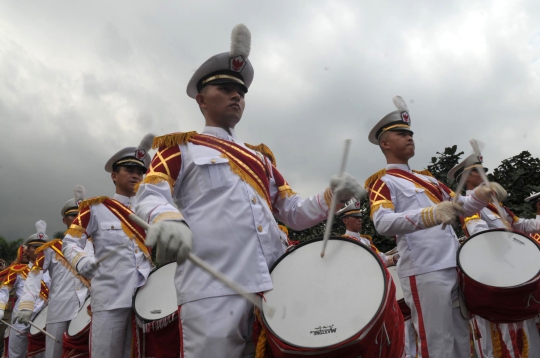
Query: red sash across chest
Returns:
{"type": "Point", "coordinates": [433, 189]}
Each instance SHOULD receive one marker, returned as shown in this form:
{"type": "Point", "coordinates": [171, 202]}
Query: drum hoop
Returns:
{"type": "Point", "coordinates": [491, 230]}
{"type": "Point", "coordinates": [79, 311]}
{"type": "Point", "coordinates": [32, 328]}
{"type": "Point", "coordinates": [137, 291]}
{"type": "Point", "coordinates": [367, 325]}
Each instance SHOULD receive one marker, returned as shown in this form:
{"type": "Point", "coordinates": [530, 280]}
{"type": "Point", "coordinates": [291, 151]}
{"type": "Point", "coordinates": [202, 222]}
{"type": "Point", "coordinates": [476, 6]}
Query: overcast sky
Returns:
{"type": "Point", "coordinates": [81, 80]}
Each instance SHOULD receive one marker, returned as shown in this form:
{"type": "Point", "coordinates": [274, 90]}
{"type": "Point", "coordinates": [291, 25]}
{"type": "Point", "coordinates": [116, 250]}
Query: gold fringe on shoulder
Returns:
{"type": "Point", "coordinates": [155, 178]}
{"type": "Point", "coordinates": [75, 231]}
{"type": "Point", "coordinates": [70, 268]}
{"type": "Point", "coordinates": [92, 201]}
{"type": "Point", "coordinates": [423, 172]}
{"type": "Point", "coordinates": [374, 177]}
{"type": "Point", "coordinates": [263, 149]}
{"type": "Point", "coordinates": [47, 245]}
{"type": "Point", "coordinates": [172, 139]}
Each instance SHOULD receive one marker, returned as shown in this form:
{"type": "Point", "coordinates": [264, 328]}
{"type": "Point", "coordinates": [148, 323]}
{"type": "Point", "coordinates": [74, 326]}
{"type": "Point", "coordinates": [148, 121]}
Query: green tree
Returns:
{"type": "Point", "coordinates": [441, 165]}
{"type": "Point", "coordinates": [58, 235]}
{"type": "Point", "coordinates": [8, 249]}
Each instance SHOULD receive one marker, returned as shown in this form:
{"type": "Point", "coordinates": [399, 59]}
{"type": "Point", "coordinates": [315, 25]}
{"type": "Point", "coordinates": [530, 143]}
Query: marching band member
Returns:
{"type": "Point", "coordinates": [18, 343]}
{"type": "Point", "coordinates": [485, 219]}
{"type": "Point", "coordinates": [227, 193]}
{"type": "Point", "coordinates": [412, 206]}
{"type": "Point", "coordinates": [351, 217]}
{"type": "Point", "coordinates": [120, 242]}
{"type": "Point", "coordinates": [68, 290]}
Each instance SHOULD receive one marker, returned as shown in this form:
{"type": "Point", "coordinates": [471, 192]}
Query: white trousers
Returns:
{"type": "Point", "coordinates": [53, 349]}
{"type": "Point", "coordinates": [216, 327]}
{"type": "Point", "coordinates": [111, 333]}
{"type": "Point", "coordinates": [442, 331]}
{"type": "Point", "coordinates": [533, 336]}
{"type": "Point", "coordinates": [18, 343]}
{"type": "Point", "coordinates": [410, 340]}
{"type": "Point", "coordinates": [483, 345]}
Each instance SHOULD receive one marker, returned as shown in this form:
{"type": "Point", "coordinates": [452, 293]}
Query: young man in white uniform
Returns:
{"type": "Point", "coordinates": [412, 206]}
{"type": "Point", "coordinates": [67, 291]}
{"type": "Point", "coordinates": [228, 194]}
{"type": "Point", "coordinates": [117, 277]}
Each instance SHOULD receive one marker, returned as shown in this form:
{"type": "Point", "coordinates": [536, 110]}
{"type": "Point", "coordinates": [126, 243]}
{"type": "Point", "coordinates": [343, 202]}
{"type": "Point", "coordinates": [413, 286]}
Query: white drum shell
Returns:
{"type": "Point", "coordinates": [500, 258]}
{"type": "Point", "coordinates": [320, 302]}
{"type": "Point", "coordinates": [157, 298]}
{"type": "Point", "coordinates": [395, 278]}
{"type": "Point", "coordinates": [40, 320]}
{"type": "Point", "coordinates": [81, 321]}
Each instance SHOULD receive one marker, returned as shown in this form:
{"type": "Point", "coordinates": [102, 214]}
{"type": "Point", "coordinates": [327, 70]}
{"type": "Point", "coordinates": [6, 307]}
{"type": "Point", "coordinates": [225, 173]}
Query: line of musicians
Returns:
{"type": "Point", "coordinates": [215, 196]}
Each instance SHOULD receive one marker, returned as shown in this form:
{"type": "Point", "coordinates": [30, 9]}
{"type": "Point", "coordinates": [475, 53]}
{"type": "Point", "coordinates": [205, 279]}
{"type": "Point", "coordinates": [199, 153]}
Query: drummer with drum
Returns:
{"type": "Point", "coordinates": [122, 261]}
{"type": "Point", "coordinates": [68, 290]}
{"type": "Point", "coordinates": [227, 194]}
{"type": "Point", "coordinates": [351, 217]}
{"type": "Point", "coordinates": [18, 343]}
{"type": "Point", "coordinates": [412, 206]}
{"type": "Point", "coordinates": [486, 219]}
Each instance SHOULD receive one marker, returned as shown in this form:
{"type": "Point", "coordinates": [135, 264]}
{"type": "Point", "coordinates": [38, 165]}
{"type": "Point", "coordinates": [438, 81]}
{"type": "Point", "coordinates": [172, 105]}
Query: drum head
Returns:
{"type": "Point", "coordinates": [320, 302]}
{"type": "Point", "coordinates": [157, 298]}
{"type": "Point", "coordinates": [395, 277]}
{"type": "Point", "coordinates": [499, 258]}
{"type": "Point", "coordinates": [81, 321]}
{"type": "Point", "coordinates": [40, 321]}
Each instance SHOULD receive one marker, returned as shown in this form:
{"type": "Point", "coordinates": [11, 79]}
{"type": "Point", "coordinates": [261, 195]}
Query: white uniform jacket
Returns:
{"type": "Point", "coordinates": [399, 207]}
{"type": "Point", "coordinates": [67, 291]}
{"type": "Point", "coordinates": [18, 285]}
{"type": "Point", "coordinates": [233, 228]}
{"type": "Point", "coordinates": [119, 275]}
{"type": "Point", "coordinates": [487, 219]}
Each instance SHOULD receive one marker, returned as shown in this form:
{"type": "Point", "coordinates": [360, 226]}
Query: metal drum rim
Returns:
{"type": "Point", "coordinates": [371, 321]}
{"type": "Point", "coordinates": [82, 308]}
{"type": "Point", "coordinates": [462, 271]}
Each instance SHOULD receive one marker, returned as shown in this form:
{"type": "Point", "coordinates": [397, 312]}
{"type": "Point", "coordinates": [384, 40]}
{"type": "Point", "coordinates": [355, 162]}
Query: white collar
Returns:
{"type": "Point", "coordinates": [404, 167]}
{"type": "Point", "coordinates": [353, 234]}
{"type": "Point", "coordinates": [221, 133]}
{"type": "Point", "coordinates": [127, 201]}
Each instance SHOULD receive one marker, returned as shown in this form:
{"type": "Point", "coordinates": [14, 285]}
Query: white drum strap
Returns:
{"type": "Point", "coordinates": [383, 333]}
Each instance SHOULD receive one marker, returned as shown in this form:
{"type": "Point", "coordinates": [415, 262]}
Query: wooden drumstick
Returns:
{"type": "Point", "coordinates": [10, 326]}
{"type": "Point", "coordinates": [459, 188]}
{"type": "Point", "coordinates": [480, 169]}
{"type": "Point", "coordinates": [332, 209]}
{"type": "Point", "coordinates": [215, 273]}
{"type": "Point", "coordinates": [43, 331]}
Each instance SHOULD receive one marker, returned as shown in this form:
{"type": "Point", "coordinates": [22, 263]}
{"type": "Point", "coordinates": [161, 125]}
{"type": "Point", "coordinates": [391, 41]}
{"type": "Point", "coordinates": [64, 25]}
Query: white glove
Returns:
{"type": "Point", "coordinates": [345, 187]}
{"type": "Point", "coordinates": [87, 266]}
{"type": "Point", "coordinates": [392, 260]}
{"type": "Point", "coordinates": [1, 314]}
{"type": "Point", "coordinates": [23, 316]}
{"type": "Point", "coordinates": [446, 212]}
{"type": "Point", "coordinates": [484, 192]}
{"type": "Point", "coordinates": [173, 240]}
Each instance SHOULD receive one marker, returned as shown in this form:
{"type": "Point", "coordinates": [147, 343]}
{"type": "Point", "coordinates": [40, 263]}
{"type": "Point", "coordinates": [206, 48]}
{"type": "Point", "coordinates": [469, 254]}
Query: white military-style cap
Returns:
{"type": "Point", "coordinates": [352, 208]}
{"type": "Point", "coordinates": [228, 67]}
{"type": "Point", "coordinates": [394, 121]}
{"type": "Point", "coordinates": [71, 207]}
{"type": "Point", "coordinates": [471, 162]}
{"type": "Point", "coordinates": [39, 238]}
{"type": "Point", "coordinates": [132, 156]}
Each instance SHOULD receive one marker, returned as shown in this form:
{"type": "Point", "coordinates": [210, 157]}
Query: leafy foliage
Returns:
{"type": "Point", "coordinates": [8, 249]}
{"type": "Point", "coordinates": [441, 165]}
{"type": "Point", "coordinates": [58, 235]}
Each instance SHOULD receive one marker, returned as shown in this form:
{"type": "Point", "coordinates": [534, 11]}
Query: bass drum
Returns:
{"type": "Point", "coordinates": [76, 341]}
{"type": "Point", "coordinates": [156, 310]}
{"type": "Point", "coordinates": [36, 339]}
{"type": "Point", "coordinates": [499, 275]}
{"type": "Point", "coordinates": [342, 305]}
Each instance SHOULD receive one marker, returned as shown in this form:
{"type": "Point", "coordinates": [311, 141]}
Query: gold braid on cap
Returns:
{"type": "Point", "coordinates": [217, 77]}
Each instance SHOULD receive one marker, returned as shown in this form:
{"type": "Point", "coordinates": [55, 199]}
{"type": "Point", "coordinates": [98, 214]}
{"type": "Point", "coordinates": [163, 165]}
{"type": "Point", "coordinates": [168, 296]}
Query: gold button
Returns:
{"type": "Point", "coordinates": [259, 228]}
{"type": "Point", "coordinates": [254, 200]}
{"type": "Point", "coordinates": [136, 250]}
{"type": "Point", "coordinates": [213, 161]}
{"type": "Point", "coordinates": [77, 289]}
{"type": "Point", "coordinates": [112, 226]}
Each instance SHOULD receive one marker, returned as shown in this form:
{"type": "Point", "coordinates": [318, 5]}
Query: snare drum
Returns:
{"type": "Point", "coordinates": [36, 339]}
{"type": "Point", "coordinates": [499, 275]}
{"type": "Point", "coordinates": [76, 341]}
{"type": "Point", "coordinates": [342, 305]}
{"type": "Point", "coordinates": [405, 310]}
{"type": "Point", "coordinates": [156, 311]}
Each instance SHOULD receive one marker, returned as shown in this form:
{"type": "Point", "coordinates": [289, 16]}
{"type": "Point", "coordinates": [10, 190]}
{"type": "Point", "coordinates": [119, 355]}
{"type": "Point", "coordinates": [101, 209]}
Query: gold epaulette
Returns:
{"type": "Point", "coordinates": [47, 245]}
{"type": "Point", "coordinates": [172, 139]}
{"type": "Point", "coordinates": [367, 237]}
{"type": "Point", "coordinates": [263, 149]}
{"type": "Point", "coordinates": [374, 177]}
{"type": "Point", "coordinates": [18, 268]}
{"type": "Point", "coordinates": [92, 201]}
{"type": "Point", "coordinates": [423, 172]}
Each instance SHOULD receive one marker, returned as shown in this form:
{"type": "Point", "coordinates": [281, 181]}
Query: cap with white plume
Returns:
{"type": "Point", "coordinates": [227, 67]}
{"type": "Point", "coordinates": [351, 208]}
{"type": "Point", "coordinates": [71, 207]}
{"type": "Point", "coordinates": [132, 156]}
{"type": "Point", "coordinates": [39, 237]}
{"type": "Point", "coordinates": [394, 121]}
